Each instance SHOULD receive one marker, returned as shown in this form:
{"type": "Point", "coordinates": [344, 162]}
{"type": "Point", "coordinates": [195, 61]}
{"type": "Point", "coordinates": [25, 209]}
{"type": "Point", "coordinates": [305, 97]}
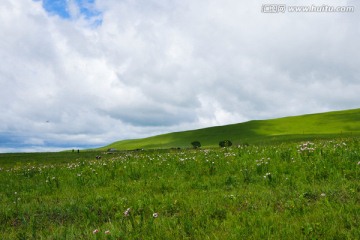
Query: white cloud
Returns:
{"type": "Point", "coordinates": [160, 66]}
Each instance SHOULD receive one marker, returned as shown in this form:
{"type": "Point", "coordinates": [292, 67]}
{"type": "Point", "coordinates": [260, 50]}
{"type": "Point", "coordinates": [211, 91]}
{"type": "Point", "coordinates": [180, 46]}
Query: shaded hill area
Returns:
{"type": "Point", "coordinates": [296, 128]}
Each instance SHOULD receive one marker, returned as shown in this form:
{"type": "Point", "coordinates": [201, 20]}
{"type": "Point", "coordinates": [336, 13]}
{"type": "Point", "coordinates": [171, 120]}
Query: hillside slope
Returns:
{"type": "Point", "coordinates": [304, 127]}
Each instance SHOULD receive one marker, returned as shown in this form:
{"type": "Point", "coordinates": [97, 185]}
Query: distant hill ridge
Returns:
{"type": "Point", "coordinates": [294, 128]}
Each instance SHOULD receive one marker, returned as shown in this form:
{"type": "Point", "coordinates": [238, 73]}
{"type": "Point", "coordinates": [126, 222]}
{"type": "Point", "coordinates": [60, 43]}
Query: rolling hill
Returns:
{"type": "Point", "coordinates": [294, 128]}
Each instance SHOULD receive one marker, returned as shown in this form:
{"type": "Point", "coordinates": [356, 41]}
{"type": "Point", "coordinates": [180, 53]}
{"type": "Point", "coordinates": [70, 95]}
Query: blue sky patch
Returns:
{"type": "Point", "coordinates": [61, 8]}
{"type": "Point", "coordinates": [57, 7]}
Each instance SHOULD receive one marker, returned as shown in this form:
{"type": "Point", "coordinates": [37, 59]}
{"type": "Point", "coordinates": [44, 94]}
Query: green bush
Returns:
{"type": "Point", "coordinates": [225, 143]}
{"type": "Point", "coordinates": [196, 144]}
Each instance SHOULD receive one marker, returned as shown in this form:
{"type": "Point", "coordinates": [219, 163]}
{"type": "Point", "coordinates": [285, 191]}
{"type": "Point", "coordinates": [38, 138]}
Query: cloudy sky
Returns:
{"type": "Point", "coordinates": [85, 73]}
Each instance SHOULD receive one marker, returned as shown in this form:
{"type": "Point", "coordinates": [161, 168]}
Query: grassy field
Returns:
{"type": "Point", "coordinates": [327, 125]}
{"type": "Point", "coordinates": [293, 190]}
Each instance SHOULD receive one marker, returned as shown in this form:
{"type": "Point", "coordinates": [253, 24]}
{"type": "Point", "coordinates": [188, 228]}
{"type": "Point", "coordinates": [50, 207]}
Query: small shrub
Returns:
{"type": "Point", "coordinates": [196, 144]}
{"type": "Point", "coordinates": [225, 143]}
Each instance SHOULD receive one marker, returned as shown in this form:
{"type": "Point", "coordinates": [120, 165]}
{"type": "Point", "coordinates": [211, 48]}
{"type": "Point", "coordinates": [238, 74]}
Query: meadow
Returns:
{"type": "Point", "coordinates": [328, 125]}
{"type": "Point", "coordinates": [292, 190]}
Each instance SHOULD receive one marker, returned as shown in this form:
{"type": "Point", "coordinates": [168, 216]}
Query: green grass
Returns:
{"type": "Point", "coordinates": [280, 186]}
{"type": "Point", "coordinates": [307, 190]}
{"type": "Point", "coordinates": [312, 126]}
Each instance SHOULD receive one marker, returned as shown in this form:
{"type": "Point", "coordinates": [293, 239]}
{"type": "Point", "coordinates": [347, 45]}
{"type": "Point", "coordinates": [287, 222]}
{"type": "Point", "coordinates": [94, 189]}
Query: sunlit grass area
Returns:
{"type": "Point", "coordinates": [303, 190]}
{"type": "Point", "coordinates": [312, 126]}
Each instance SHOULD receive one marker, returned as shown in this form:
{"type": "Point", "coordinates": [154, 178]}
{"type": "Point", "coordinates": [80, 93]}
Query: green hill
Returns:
{"type": "Point", "coordinates": [296, 128]}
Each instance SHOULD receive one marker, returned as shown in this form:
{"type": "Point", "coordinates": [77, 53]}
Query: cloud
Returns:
{"type": "Point", "coordinates": [85, 73]}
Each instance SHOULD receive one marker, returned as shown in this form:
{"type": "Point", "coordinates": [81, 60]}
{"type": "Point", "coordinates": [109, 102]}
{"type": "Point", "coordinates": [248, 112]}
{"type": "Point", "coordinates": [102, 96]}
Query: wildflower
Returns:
{"type": "Point", "coordinates": [107, 232]}
{"type": "Point", "coordinates": [155, 215]}
{"type": "Point", "coordinates": [95, 231]}
{"type": "Point", "coordinates": [323, 195]}
{"type": "Point", "coordinates": [127, 212]}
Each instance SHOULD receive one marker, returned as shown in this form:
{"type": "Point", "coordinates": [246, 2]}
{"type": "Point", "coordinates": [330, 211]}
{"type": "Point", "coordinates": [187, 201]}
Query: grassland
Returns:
{"type": "Point", "coordinates": [303, 190]}
{"type": "Point", "coordinates": [296, 178]}
{"type": "Point", "coordinates": [327, 125]}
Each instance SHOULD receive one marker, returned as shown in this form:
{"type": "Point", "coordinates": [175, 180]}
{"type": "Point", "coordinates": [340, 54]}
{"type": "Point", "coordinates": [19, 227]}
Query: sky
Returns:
{"type": "Point", "coordinates": [79, 74]}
